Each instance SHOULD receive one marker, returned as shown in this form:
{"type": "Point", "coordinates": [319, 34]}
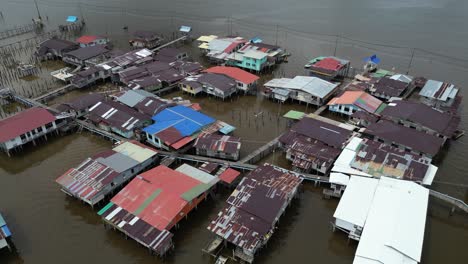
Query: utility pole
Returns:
{"type": "Point", "coordinates": [411, 60]}
{"type": "Point", "coordinates": [336, 44]}
{"type": "Point", "coordinates": [37, 8]}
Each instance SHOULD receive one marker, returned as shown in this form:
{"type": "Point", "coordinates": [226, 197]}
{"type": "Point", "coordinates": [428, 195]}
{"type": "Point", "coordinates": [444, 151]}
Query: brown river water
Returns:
{"type": "Point", "coordinates": [49, 227]}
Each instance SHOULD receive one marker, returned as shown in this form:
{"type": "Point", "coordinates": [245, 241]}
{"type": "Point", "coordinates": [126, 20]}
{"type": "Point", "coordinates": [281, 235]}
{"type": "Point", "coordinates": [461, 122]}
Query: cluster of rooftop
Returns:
{"type": "Point", "coordinates": [252, 55]}
{"type": "Point", "coordinates": [155, 201]}
{"type": "Point", "coordinates": [254, 208]}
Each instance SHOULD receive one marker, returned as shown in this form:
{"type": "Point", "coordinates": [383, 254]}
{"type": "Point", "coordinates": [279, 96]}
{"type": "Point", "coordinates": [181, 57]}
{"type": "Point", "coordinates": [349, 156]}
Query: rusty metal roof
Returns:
{"type": "Point", "coordinates": [327, 133]}
{"type": "Point", "coordinates": [255, 206]}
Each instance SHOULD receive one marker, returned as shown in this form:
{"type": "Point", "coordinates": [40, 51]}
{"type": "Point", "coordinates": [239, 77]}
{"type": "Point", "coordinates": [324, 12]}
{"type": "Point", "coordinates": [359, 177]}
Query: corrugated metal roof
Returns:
{"type": "Point", "coordinates": [235, 73]}
{"type": "Point", "coordinates": [135, 151]}
{"type": "Point", "coordinates": [229, 175]}
{"type": "Point", "coordinates": [131, 98]}
{"type": "Point", "coordinates": [313, 85]}
{"type": "Point", "coordinates": [439, 90]}
{"type": "Point", "coordinates": [155, 196]}
{"type": "Point", "coordinates": [23, 122]}
{"type": "Point", "coordinates": [254, 206]}
{"type": "Point", "coordinates": [197, 174]}
{"type": "Point", "coordinates": [118, 162]}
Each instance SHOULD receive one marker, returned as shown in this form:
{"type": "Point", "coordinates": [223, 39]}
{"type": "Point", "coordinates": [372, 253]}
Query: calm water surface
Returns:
{"type": "Point", "coordinates": [49, 227]}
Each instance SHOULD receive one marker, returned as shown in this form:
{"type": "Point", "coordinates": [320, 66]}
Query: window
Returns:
{"type": "Point", "coordinates": [248, 64]}
{"type": "Point", "coordinates": [23, 137]}
{"type": "Point", "coordinates": [239, 84]}
{"type": "Point", "coordinates": [34, 132]}
{"type": "Point", "coordinates": [40, 129]}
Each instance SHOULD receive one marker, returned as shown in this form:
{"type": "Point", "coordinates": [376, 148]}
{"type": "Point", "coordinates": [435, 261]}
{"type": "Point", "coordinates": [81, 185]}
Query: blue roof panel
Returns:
{"type": "Point", "coordinates": [186, 120]}
{"type": "Point", "coordinates": [72, 19]}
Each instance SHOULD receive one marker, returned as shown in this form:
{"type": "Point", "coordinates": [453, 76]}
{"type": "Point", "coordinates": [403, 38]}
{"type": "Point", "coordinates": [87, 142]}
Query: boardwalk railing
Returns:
{"type": "Point", "coordinates": [18, 31]}
{"type": "Point", "coordinates": [451, 200]}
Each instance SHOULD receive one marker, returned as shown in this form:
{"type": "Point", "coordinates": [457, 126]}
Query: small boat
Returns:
{"type": "Point", "coordinates": [221, 260]}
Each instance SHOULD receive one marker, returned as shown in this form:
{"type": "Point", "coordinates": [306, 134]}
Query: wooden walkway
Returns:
{"type": "Point", "coordinates": [55, 92]}
{"type": "Point", "coordinates": [169, 43]}
{"type": "Point", "coordinates": [261, 152]}
{"type": "Point", "coordinates": [94, 129]}
{"type": "Point", "coordinates": [456, 203]}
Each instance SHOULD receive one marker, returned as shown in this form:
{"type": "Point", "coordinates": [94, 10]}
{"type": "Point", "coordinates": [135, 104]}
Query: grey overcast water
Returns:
{"type": "Point", "coordinates": [50, 228]}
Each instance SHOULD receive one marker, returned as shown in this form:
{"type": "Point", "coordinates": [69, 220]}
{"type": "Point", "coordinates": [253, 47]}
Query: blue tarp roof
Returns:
{"type": "Point", "coordinates": [185, 29]}
{"type": "Point", "coordinates": [256, 40]}
{"type": "Point", "coordinates": [186, 120]}
{"type": "Point", "coordinates": [6, 231]}
{"type": "Point", "coordinates": [373, 59]}
{"type": "Point", "coordinates": [72, 19]}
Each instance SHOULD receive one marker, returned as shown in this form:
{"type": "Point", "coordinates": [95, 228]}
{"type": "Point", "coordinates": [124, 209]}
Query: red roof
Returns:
{"type": "Point", "coordinates": [235, 73]}
{"type": "Point", "coordinates": [87, 39]}
{"type": "Point", "coordinates": [23, 122]}
{"type": "Point", "coordinates": [329, 64]}
{"type": "Point", "coordinates": [229, 175]}
{"type": "Point", "coordinates": [155, 196]}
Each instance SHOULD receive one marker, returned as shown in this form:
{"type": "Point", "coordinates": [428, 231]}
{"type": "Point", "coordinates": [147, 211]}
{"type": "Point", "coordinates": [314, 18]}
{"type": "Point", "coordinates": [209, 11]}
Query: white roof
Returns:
{"type": "Point", "coordinates": [308, 84]}
{"type": "Point", "coordinates": [144, 53]}
{"type": "Point", "coordinates": [394, 228]}
{"type": "Point", "coordinates": [255, 54]}
{"type": "Point", "coordinates": [236, 56]}
{"type": "Point", "coordinates": [402, 78]}
{"type": "Point", "coordinates": [356, 200]}
{"type": "Point", "coordinates": [219, 44]}
{"type": "Point", "coordinates": [430, 174]}
{"type": "Point", "coordinates": [196, 173]}
{"type": "Point", "coordinates": [354, 143]}
{"type": "Point", "coordinates": [339, 178]}
{"type": "Point", "coordinates": [134, 151]}
{"type": "Point", "coordinates": [345, 158]}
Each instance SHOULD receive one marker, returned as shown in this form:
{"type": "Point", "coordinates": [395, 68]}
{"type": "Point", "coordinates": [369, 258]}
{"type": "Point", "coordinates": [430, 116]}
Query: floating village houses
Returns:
{"type": "Point", "coordinates": [144, 102]}
{"type": "Point", "coordinates": [218, 85]}
{"type": "Point", "coordinates": [27, 126]}
{"type": "Point", "coordinates": [328, 68]}
{"type": "Point", "coordinates": [175, 127]}
{"type": "Point", "coordinates": [352, 101]}
{"type": "Point", "coordinates": [422, 118]}
{"type": "Point", "coordinates": [118, 118]}
{"type": "Point", "coordinates": [98, 176]}
{"type": "Point", "coordinates": [405, 138]}
{"type": "Point", "coordinates": [156, 201]}
{"type": "Point", "coordinates": [145, 39]}
{"type": "Point", "coordinates": [171, 55]}
{"type": "Point", "coordinates": [256, 56]}
{"type": "Point", "coordinates": [111, 68]}
{"type": "Point", "coordinates": [87, 56]}
{"type": "Point", "coordinates": [368, 158]}
{"type": "Point", "coordinates": [245, 81]}
{"type": "Point", "coordinates": [54, 48]}
{"type": "Point", "coordinates": [218, 49]}
{"type": "Point", "coordinates": [313, 144]}
{"type": "Point", "coordinates": [253, 210]}
{"type": "Point", "coordinates": [386, 88]}
{"type": "Point", "coordinates": [80, 106]}
{"type": "Point", "coordinates": [89, 76]}
{"type": "Point", "coordinates": [218, 146]}
{"type": "Point", "coordinates": [4, 233]}
{"type": "Point", "coordinates": [92, 40]}
{"type": "Point", "coordinates": [439, 94]}
{"type": "Point", "coordinates": [389, 222]}
{"type": "Point", "coordinates": [310, 90]}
